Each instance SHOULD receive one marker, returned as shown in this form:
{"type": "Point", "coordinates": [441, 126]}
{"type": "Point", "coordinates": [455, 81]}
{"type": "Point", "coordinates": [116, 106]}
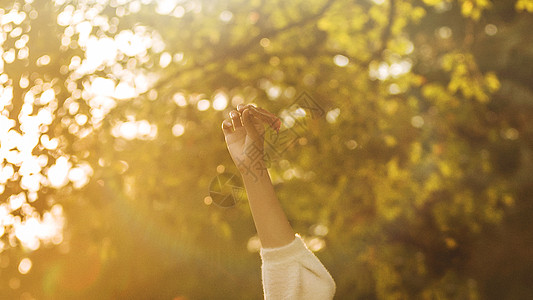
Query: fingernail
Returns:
{"type": "Point", "coordinates": [233, 114]}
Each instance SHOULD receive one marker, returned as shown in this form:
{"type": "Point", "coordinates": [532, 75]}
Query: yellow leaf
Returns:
{"type": "Point", "coordinates": [392, 169]}
{"type": "Point", "coordinates": [508, 200]}
{"type": "Point", "coordinates": [466, 8]}
{"type": "Point", "coordinates": [418, 13]}
{"type": "Point", "coordinates": [526, 5]}
{"type": "Point", "coordinates": [450, 243]}
{"type": "Point", "coordinates": [445, 169]}
{"type": "Point", "coordinates": [390, 140]}
{"type": "Point", "coordinates": [416, 152]}
{"type": "Point", "coordinates": [432, 2]}
{"type": "Point", "coordinates": [324, 24]}
{"type": "Point", "coordinates": [492, 82]}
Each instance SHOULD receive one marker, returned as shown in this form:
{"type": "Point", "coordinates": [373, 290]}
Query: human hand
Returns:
{"type": "Point", "coordinates": [244, 134]}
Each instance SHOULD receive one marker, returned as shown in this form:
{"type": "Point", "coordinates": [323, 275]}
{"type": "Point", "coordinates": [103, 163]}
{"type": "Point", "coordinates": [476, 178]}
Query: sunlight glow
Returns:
{"type": "Point", "coordinates": [132, 44]}
{"type": "Point", "coordinates": [220, 101]}
{"type": "Point", "coordinates": [131, 130]}
{"type": "Point", "coordinates": [332, 115]}
{"type": "Point", "coordinates": [179, 99]}
{"type": "Point", "coordinates": [178, 130]}
{"type": "Point", "coordinates": [102, 87]}
{"type": "Point", "coordinates": [9, 56]}
{"type": "Point", "coordinates": [179, 12]}
{"type": "Point", "coordinates": [254, 244]}
{"type": "Point", "coordinates": [25, 266]}
{"type": "Point", "coordinates": [341, 60]}
{"type": "Point", "coordinates": [510, 134]}
{"type": "Point", "coordinates": [47, 96]}
{"type": "Point", "coordinates": [203, 105]}
{"type": "Point", "coordinates": [6, 95]}
{"type": "Point", "coordinates": [48, 143]}
{"type": "Point", "coordinates": [14, 16]}
{"type": "Point", "coordinates": [417, 121]}
{"type": "Point", "coordinates": [351, 144]}
{"type": "Point", "coordinates": [80, 175]}
{"type": "Point", "coordinates": [98, 52]}
{"type": "Point", "coordinates": [34, 230]}
{"type": "Point", "coordinates": [491, 29]}
{"type": "Point", "coordinates": [128, 130]}
{"type": "Point", "coordinates": [394, 89]}
{"type": "Point", "coordinates": [24, 82]}
{"type": "Point", "coordinates": [236, 100]}
{"type": "Point", "coordinates": [43, 60]}
{"type": "Point", "coordinates": [444, 32]}
{"type": "Point", "coordinates": [273, 92]}
{"type": "Point", "coordinates": [320, 230]}
{"type": "Point", "coordinates": [288, 121]}
{"type": "Point", "coordinates": [124, 91]}
{"type": "Point", "coordinates": [165, 7]}
{"type": "Point", "coordinates": [315, 244]}
{"type": "Point", "coordinates": [226, 16]}
{"type": "Point", "coordinates": [383, 71]}
{"type": "Point", "coordinates": [165, 59]}
{"type": "Point", "coordinates": [58, 173]}
{"type": "Point", "coordinates": [16, 201]}
{"type": "Point", "coordinates": [264, 42]}
{"type": "Point", "coordinates": [6, 172]}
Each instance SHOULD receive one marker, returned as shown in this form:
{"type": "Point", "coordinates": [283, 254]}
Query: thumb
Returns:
{"type": "Point", "coordinates": [249, 125]}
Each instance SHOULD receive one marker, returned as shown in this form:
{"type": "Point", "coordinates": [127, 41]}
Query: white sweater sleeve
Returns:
{"type": "Point", "coordinates": [294, 272]}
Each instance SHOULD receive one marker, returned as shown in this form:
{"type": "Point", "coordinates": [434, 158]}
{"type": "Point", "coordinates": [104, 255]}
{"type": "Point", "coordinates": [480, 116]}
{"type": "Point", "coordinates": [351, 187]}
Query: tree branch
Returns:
{"type": "Point", "coordinates": [239, 50]}
{"type": "Point", "coordinates": [385, 36]}
{"type": "Point", "coordinates": [388, 29]}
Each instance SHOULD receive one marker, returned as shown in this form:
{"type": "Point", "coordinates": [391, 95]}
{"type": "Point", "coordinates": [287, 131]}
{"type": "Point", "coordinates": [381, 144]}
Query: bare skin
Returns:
{"type": "Point", "coordinates": [244, 134]}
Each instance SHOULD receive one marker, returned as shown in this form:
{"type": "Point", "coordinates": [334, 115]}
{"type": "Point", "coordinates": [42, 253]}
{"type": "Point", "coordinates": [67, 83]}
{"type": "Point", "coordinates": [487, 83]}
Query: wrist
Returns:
{"type": "Point", "coordinates": [256, 175]}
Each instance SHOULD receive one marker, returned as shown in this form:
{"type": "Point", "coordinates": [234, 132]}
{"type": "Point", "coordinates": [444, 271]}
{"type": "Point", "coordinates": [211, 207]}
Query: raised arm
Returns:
{"type": "Point", "coordinates": [244, 135]}
{"type": "Point", "coordinates": [289, 269]}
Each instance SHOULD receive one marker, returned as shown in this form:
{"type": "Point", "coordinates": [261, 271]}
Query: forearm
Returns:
{"type": "Point", "coordinates": [270, 220]}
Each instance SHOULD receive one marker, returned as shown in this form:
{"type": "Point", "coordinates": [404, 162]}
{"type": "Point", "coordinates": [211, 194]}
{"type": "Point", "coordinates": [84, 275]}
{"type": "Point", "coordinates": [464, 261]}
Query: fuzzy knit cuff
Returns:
{"type": "Point", "coordinates": [284, 253]}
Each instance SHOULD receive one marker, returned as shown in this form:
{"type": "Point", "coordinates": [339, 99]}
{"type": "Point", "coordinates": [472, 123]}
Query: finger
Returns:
{"type": "Point", "coordinates": [227, 127]}
{"type": "Point", "coordinates": [241, 107]}
{"type": "Point", "coordinates": [236, 118]}
{"type": "Point", "coordinates": [249, 124]}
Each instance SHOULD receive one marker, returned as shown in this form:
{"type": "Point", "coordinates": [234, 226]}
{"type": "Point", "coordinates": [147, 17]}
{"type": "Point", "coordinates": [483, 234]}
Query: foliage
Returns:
{"type": "Point", "coordinates": [414, 182]}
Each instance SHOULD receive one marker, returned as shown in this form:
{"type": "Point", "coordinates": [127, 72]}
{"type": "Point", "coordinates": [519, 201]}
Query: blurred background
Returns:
{"type": "Point", "coordinates": [409, 176]}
